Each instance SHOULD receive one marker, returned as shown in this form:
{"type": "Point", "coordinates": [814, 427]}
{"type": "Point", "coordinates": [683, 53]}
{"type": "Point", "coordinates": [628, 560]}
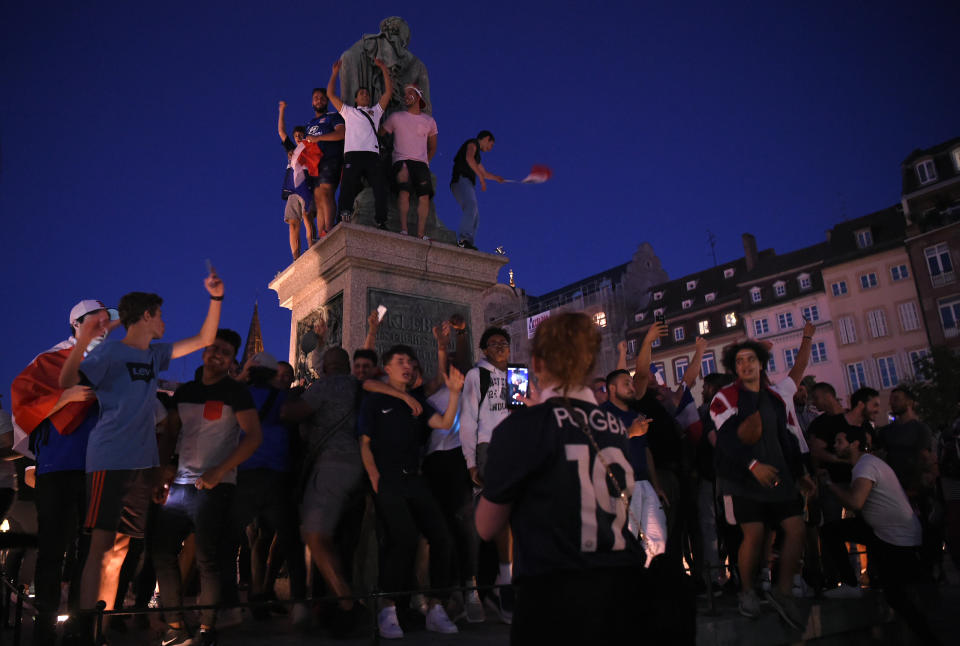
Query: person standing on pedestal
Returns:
{"type": "Point", "coordinates": [327, 130]}
{"type": "Point", "coordinates": [414, 145]}
{"type": "Point", "coordinates": [361, 147]}
{"type": "Point", "coordinates": [467, 169]}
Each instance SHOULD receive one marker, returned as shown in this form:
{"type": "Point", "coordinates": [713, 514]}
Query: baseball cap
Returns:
{"type": "Point", "coordinates": [265, 360]}
{"type": "Point", "coordinates": [84, 307]}
{"type": "Point", "coordinates": [423, 104]}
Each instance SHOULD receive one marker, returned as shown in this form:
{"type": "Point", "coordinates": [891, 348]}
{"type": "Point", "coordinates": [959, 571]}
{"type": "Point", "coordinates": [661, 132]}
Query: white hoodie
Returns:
{"type": "Point", "coordinates": [476, 424]}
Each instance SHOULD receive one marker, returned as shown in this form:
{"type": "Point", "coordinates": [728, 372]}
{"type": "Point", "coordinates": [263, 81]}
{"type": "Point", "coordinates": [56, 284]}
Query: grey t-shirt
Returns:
{"type": "Point", "coordinates": [887, 509]}
{"type": "Point", "coordinates": [333, 400]}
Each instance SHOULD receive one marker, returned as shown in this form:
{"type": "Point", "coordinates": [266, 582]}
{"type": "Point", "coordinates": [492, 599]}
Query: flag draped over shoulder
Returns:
{"type": "Point", "coordinates": [689, 417]}
{"type": "Point", "coordinates": [36, 390]}
{"type": "Point", "coordinates": [305, 160]}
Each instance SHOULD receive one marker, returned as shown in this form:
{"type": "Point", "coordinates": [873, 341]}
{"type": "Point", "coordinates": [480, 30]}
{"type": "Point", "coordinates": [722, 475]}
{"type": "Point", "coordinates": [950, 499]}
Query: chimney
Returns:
{"type": "Point", "coordinates": [750, 250]}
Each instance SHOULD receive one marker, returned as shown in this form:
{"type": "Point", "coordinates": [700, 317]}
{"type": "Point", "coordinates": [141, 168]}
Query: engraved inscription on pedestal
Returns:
{"type": "Point", "coordinates": [410, 320]}
{"type": "Point", "coordinates": [309, 363]}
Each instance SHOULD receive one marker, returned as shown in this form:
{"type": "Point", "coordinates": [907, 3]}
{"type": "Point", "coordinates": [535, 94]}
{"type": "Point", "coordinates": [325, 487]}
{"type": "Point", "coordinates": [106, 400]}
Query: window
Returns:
{"type": "Point", "coordinates": [639, 316]}
{"type": "Point", "coordinates": [785, 320]}
{"type": "Point", "coordinates": [658, 296]}
{"type": "Point", "coordinates": [916, 361]}
{"type": "Point", "coordinates": [704, 327]}
{"type": "Point", "coordinates": [678, 334]}
{"type": "Point", "coordinates": [687, 303]}
{"type": "Point", "coordinates": [709, 297]}
{"type": "Point", "coordinates": [771, 364]}
{"type": "Point", "coordinates": [869, 281]}
{"type": "Point", "coordinates": [804, 281]}
{"type": "Point", "coordinates": [780, 288]}
{"type": "Point", "coordinates": [790, 356]}
{"type": "Point", "coordinates": [728, 272]}
{"type": "Point", "coordinates": [691, 285]}
{"type": "Point", "coordinates": [949, 316]}
{"type": "Point", "coordinates": [600, 318]}
{"type": "Point", "coordinates": [839, 288]}
{"type": "Point", "coordinates": [857, 375]}
{"type": "Point", "coordinates": [864, 238]}
{"type": "Point", "coordinates": [655, 343]}
{"type": "Point", "coordinates": [708, 364]}
{"type": "Point", "coordinates": [632, 347]}
{"type": "Point", "coordinates": [926, 171]}
{"type": "Point", "coordinates": [760, 327]}
{"type": "Point", "coordinates": [899, 272]}
{"type": "Point", "coordinates": [730, 319]}
{"type": "Point", "coordinates": [848, 331]}
{"type": "Point", "coordinates": [658, 312]}
{"type": "Point", "coordinates": [755, 295]}
{"type": "Point", "coordinates": [877, 321]}
{"type": "Point", "coordinates": [909, 317]}
{"type": "Point", "coordinates": [887, 369]}
{"type": "Point", "coordinates": [811, 313]}
{"type": "Point", "coordinates": [679, 367]}
{"type": "Point", "coordinates": [939, 264]}
{"type": "Point", "coordinates": [818, 352]}
{"type": "Point", "coordinates": [659, 371]}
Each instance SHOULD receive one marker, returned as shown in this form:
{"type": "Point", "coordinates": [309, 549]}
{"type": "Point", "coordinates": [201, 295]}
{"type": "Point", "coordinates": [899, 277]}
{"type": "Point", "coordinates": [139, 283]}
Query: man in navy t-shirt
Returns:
{"type": "Point", "coordinates": [327, 130]}
{"type": "Point", "coordinates": [122, 450]}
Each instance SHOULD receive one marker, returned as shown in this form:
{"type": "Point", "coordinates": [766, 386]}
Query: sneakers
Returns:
{"type": "Point", "coordinates": [207, 637]}
{"type": "Point", "coordinates": [388, 625]}
{"type": "Point", "coordinates": [382, 226]}
{"type": "Point", "coordinates": [474, 608]}
{"type": "Point", "coordinates": [787, 608]}
{"type": "Point", "coordinates": [749, 604]}
{"type": "Point", "coordinates": [766, 582]}
{"type": "Point", "coordinates": [500, 602]}
{"type": "Point", "coordinates": [346, 216]}
{"type": "Point", "coordinates": [176, 637]}
{"type": "Point", "coordinates": [439, 622]}
{"type": "Point", "coordinates": [404, 232]}
{"type": "Point", "coordinates": [843, 591]}
{"type": "Point", "coordinates": [465, 244]}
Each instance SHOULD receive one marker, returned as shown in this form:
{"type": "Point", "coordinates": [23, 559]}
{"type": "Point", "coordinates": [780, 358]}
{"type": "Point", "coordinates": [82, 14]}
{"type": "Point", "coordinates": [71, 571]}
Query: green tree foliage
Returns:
{"type": "Point", "coordinates": [937, 386]}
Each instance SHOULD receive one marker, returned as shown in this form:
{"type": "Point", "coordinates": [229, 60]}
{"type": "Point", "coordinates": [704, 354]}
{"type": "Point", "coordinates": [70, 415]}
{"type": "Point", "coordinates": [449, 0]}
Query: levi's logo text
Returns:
{"type": "Point", "coordinates": [598, 420]}
{"type": "Point", "coordinates": [140, 371]}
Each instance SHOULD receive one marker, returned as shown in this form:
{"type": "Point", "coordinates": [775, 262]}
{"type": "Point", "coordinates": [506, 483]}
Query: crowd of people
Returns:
{"type": "Point", "coordinates": [363, 145]}
{"type": "Point", "coordinates": [598, 494]}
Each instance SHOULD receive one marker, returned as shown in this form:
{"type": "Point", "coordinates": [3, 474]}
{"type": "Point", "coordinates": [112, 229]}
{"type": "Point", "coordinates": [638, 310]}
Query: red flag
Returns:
{"type": "Point", "coordinates": [37, 389]}
{"type": "Point", "coordinates": [538, 175]}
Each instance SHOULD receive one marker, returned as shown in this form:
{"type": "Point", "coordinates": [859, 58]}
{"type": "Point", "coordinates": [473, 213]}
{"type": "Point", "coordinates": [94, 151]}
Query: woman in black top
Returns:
{"type": "Point", "coordinates": [579, 573]}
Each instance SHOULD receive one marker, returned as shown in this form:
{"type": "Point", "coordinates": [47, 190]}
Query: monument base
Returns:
{"type": "Point", "coordinates": [345, 276]}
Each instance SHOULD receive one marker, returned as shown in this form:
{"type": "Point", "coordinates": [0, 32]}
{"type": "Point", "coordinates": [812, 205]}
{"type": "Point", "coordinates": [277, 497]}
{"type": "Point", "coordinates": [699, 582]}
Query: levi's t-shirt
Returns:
{"type": "Point", "coordinates": [124, 379]}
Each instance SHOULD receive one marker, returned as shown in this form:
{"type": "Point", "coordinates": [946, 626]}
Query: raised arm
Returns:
{"type": "Point", "coordinates": [453, 381]}
{"type": "Point", "coordinates": [208, 331]}
{"type": "Point", "coordinates": [442, 335]}
{"type": "Point", "coordinates": [281, 124]}
{"type": "Point", "coordinates": [693, 370]}
{"type": "Point", "coordinates": [641, 378]}
{"type": "Point", "coordinates": [387, 84]}
{"type": "Point", "coordinates": [70, 372]}
{"type": "Point", "coordinates": [622, 355]}
{"type": "Point", "coordinates": [803, 355]}
{"type": "Point", "coordinates": [249, 421]}
{"type": "Point", "coordinates": [373, 325]}
{"type": "Point", "coordinates": [331, 84]}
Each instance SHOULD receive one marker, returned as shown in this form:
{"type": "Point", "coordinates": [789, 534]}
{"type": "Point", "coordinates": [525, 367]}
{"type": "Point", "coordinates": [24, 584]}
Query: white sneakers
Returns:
{"type": "Point", "coordinates": [387, 623]}
{"type": "Point", "coordinates": [439, 622]}
{"type": "Point", "coordinates": [474, 609]}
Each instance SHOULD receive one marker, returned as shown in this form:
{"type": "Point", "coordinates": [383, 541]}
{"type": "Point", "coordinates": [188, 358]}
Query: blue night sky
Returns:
{"type": "Point", "coordinates": [139, 139]}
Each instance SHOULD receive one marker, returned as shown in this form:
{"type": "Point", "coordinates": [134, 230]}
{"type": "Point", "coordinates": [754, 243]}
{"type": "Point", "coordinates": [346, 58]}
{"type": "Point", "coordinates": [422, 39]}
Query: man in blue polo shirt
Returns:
{"type": "Point", "coordinates": [327, 130]}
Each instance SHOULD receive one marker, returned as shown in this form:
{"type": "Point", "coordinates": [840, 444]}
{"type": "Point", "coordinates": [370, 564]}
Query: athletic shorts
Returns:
{"type": "Point", "coordinates": [327, 491]}
{"type": "Point", "coordinates": [418, 180]}
{"type": "Point", "coordinates": [328, 172]}
{"type": "Point", "coordinates": [739, 509]}
{"type": "Point", "coordinates": [118, 500]}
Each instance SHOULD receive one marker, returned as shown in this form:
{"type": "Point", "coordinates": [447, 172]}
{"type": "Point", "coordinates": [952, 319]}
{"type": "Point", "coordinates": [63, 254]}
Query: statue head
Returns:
{"type": "Point", "coordinates": [397, 32]}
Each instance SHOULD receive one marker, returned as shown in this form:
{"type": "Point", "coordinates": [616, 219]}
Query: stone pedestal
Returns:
{"type": "Point", "coordinates": [355, 268]}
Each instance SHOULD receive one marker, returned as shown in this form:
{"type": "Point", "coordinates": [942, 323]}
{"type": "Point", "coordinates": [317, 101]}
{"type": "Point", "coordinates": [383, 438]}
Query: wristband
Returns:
{"type": "Point", "coordinates": [752, 464]}
{"type": "Point", "coordinates": [216, 298]}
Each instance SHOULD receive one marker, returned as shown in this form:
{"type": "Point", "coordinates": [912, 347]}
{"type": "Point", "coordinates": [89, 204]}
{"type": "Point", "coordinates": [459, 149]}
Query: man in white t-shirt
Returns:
{"type": "Point", "coordinates": [414, 145]}
{"type": "Point", "coordinates": [886, 525]}
{"type": "Point", "coordinates": [361, 147]}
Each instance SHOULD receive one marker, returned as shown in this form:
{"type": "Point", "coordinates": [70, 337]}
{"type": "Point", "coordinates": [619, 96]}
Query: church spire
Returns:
{"type": "Point", "coordinates": [254, 338]}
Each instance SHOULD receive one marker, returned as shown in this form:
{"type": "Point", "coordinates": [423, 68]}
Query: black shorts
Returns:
{"type": "Point", "coordinates": [118, 500]}
{"type": "Point", "coordinates": [739, 509]}
{"type": "Point", "coordinates": [328, 172]}
{"type": "Point", "coordinates": [418, 180]}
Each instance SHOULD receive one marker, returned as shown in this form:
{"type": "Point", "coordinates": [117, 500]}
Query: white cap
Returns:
{"type": "Point", "coordinates": [83, 308]}
{"type": "Point", "coordinates": [265, 360]}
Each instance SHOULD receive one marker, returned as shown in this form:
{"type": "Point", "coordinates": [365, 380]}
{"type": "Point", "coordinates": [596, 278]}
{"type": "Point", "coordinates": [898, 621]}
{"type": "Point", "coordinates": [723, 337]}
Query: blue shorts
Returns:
{"type": "Point", "coordinates": [328, 172]}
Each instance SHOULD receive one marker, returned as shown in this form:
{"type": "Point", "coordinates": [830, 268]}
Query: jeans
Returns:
{"type": "Point", "coordinates": [448, 478]}
{"type": "Point", "coordinates": [208, 514]}
{"type": "Point", "coordinates": [466, 195]}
